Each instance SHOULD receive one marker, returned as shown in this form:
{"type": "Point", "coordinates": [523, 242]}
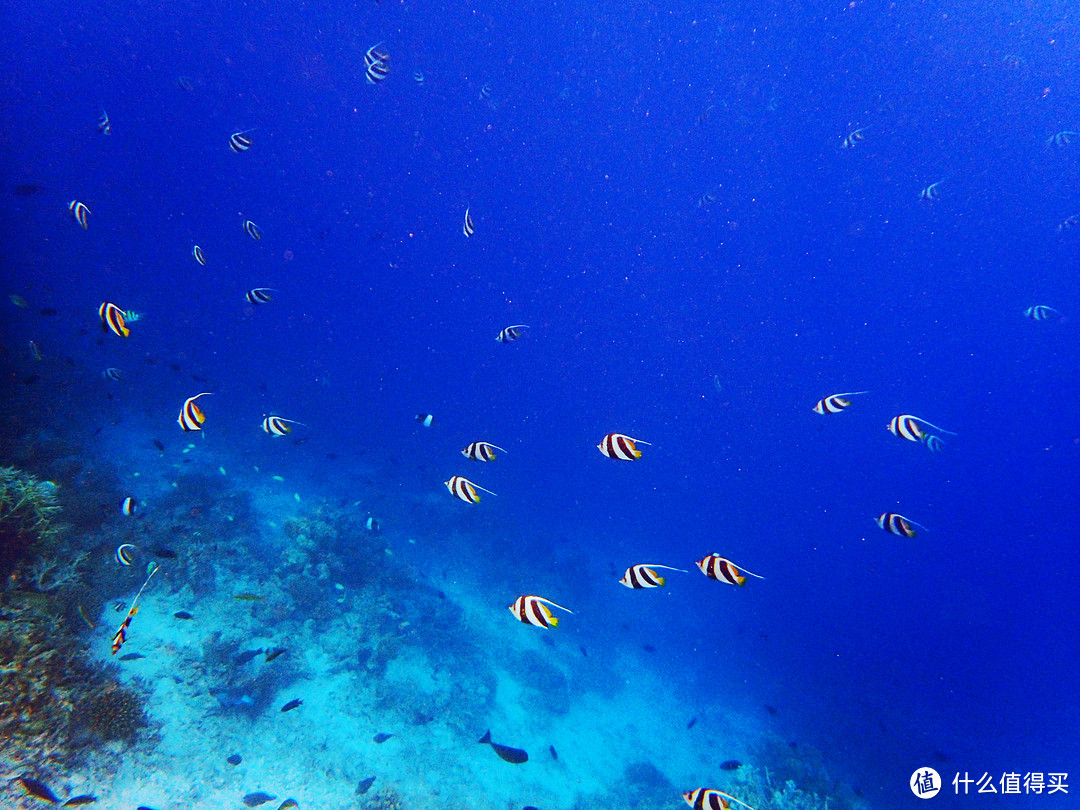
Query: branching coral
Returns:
{"type": "Point", "coordinates": [28, 507]}
{"type": "Point", "coordinates": [49, 574]}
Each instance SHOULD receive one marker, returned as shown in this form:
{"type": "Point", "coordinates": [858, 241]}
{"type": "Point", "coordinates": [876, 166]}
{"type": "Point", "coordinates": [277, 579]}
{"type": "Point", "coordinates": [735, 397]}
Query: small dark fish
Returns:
{"type": "Point", "coordinates": [248, 597]}
{"type": "Point", "coordinates": [247, 655]}
{"type": "Point", "coordinates": [26, 190]}
{"type": "Point", "coordinates": [940, 756]}
{"type": "Point", "coordinates": [159, 445]}
{"type": "Point", "coordinates": [118, 606]}
{"type": "Point", "coordinates": [287, 804]}
{"type": "Point", "coordinates": [144, 807]}
{"type": "Point", "coordinates": [528, 807]}
{"type": "Point", "coordinates": [274, 652]}
{"type": "Point", "coordinates": [381, 737]}
{"type": "Point", "coordinates": [234, 759]}
{"type": "Point", "coordinates": [292, 704]}
{"type": "Point", "coordinates": [257, 798]}
{"type": "Point", "coordinates": [690, 725]}
{"type": "Point", "coordinates": [33, 378]}
{"type": "Point", "coordinates": [515, 756]}
{"type": "Point", "coordinates": [131, 657]}
{"type": "Point", "coordinates": [771, 710]}
{"type": "Point", "coordinates": [183, 614]}
{"type": "Point", "coordinates": [78, 801]}
{"type": "Point", "coordinates": [584, 653]}
{"type": "Point", "coordinates": [365, 785]}
{"type": "Point", "coordinates": [165, 553]}
{"type": "Point", "coordinates": [649, 648]}
{"type": "Point", "coordinates": [421, 719]}
{"type": "Point", "coordinates": [730, 765]}
{"type": "Point", "coordinates": [48, 311]}
{"type": "Point", "coordinates": [554, 753]}
{"type": "Point", "coordinates": [39, 790]}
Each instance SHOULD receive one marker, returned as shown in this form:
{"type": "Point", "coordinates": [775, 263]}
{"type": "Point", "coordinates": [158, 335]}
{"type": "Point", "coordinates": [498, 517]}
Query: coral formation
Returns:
{"type": "Point", "coordinates": [29, 515]}
{"type": "Point", "coordinates": [110, 712]}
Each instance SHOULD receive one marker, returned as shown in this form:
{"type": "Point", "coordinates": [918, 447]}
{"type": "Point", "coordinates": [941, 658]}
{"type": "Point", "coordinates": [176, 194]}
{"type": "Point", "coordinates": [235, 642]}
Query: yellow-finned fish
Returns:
{"type": "Point", "coordinates": [911, 428]}
{"type": "Point", "coordinates": [120, 636]}
{"type": "Point", "coordinates": [278, 426]}
{"type": "Point", "coordinates": [112, 317]}
{"type": "Point", "coordinates": [239, 141]}
{"type": "Point", "coordinates": [534, 610]}
{"type": "Point", "coordinates": [710, 799]}
{"type": "Point", "coordinates": [724, 570]}
{"type": "Point", "coordinates": [191, 416]}
{"type": "Point", "coordinates": [79, 213]}
{"type": "Point", "coordinates": [836, 402]}
{"type": "Point", "coordinates": [465, 490]}
{"type": "Point", "coordinates": [468, 228]}
{"type": "Point", "coordinates": [898, 524]}
{"type": "Point", "coordinates": [259, 295]}
{"type": "Point", "coordinates": [620, 446]}
{"type": "Point", "coordinates": [643, 575]}
{"type": "Point", "coordinates": [511, 333]}
{"type": "Point", "coordinates": [1041, 312]}
{"type": "Point", "coordinates": [481, 451]}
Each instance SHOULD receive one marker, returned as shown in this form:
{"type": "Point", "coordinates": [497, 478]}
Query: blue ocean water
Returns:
{"type": "Point", "coordinates": [707, 330]}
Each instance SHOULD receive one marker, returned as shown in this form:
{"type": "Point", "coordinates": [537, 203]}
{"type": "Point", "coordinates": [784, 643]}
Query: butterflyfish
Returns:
{"type": "Point", "coordinates": [465, 490]}
{"type": "Point", "coordinates": [481, 451]}
{"type": "Point", "coordinates": [377, 63]}
{"type": "Point", "coordinates": [191, 416]}
{"type": "Point", "coordinates": [199, 255]}
{"type": "Point", "coordinates": [710, 799]}
{"type": "Point", "coordinates": [836, 402]}
{"type": "Point", "coordinates": [239, 141]}
{"type": "Point", "coordinates": [724, 570]}
{"type": "Point", "coordinates": [930, 193]}
{"type": "Point", "coordinates": [911, 427]}
{"type": "Point", "coordinates": [466, 229]}
{"type": "Point", "coordinates": [853, 138]}
{"type": "Point", "coordinates": [252, 230]}
{"type": "Point", "coordinates": [534, 610]}
{"type": "Point", "coordinates": [104, 125]}
{"type": "Point", "coordinates": [278, 426]}
{"type": "Point", "coordinates": [1041, 312]}
{"type": "Point", "coordinates": [511, 333]}
{"type": "Point", "coordinates": [124, 553]}
{"type": "Point", "coordinates": [112, 318]}
{"type": "Point", "coordinates": [643, 575]}
{"type": "Point", "coordinates": [120, 636]}
{"type": "Point", "coordinates": [259, 295]}
{"type": "Point", "coordinates": [79, 213]}
{"type": "Point", "coordinates": [620, 446]}
{"type": "Point", "coordinates": [898, 524]}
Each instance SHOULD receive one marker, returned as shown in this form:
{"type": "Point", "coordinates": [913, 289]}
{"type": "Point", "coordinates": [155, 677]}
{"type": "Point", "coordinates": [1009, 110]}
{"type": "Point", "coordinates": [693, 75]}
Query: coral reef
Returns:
{"type": "Point", "coordinates": [110, 712]}
{"type": "Point", "coordinates": [29, 516]}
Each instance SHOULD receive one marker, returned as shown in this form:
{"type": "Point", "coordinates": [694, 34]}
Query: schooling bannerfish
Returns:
{"type": "Point", "coordinates": [514, 756]}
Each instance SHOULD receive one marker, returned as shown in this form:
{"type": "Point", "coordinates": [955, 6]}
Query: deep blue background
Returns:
{"type": "Point", "coordinates": [817, 270]}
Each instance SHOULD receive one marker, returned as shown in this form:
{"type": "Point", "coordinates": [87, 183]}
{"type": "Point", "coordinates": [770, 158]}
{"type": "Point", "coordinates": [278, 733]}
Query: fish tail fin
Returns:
{"type": "Point", "coordinates": [660, 581]}
{"type": "Point", "coordinates": [553, 620]}
{"type": "Point", "coordinates": [637, 454]}
{"type": "Point", "coordinates": [486, 738]}
{"type": "Point", "coordinates": [741, 581]}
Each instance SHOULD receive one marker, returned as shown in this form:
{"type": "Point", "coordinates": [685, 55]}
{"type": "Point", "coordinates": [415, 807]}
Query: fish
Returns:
{"type": "Point", "coordinates": [1060, 139]}
{"type": "Point", "coordinates": [465, 490]}
{"type": "Point", "coordinates": [287, 804]}
{"type": "Point", "coordinates": [278, 426]}
{"type": "Point", "coordinates": [104, 125]}
{"type": "Point", "coordinates": [79, 801]}
{"type": "Point", "coordinates": [191, 417]}
{"type": "Point", "coordinates": [930, 193]}
{"type": "Point", "coordinates": [381, 737]}
{"type": "Point", "coordinates": [113, 374]}
{"type": "Point", "coordinates": [274, 652]}
{"type": "Point", "coordinates": [425, 419]}
{"type": "Point", "coordinates": [730, 765]}
{"type": "Point", "coordinates": [466, 229]}
{"type": "Point", "coordinates": [18, 301]}
{"type": "Point", "coordinates": [934, 443]}
{"type": "Point", "coordinates": [39, 790]}
{"type": "Point", "coordinates": [257, 798]}
{"type": "Point", "coordinates": [252, 230]}
{"type": "Point", "coordinates": [514, 756]}
{"type": "Point", "coordinates": [259, 295]}
{"type": "Point", "coordinates": [723, 570]}
{"type": "Point", "coordinates": [853, 138]}
{"type": "Point", "coordinates": [35, 352]}
{"type": "Point", "coordinates": [199, 254]}
{"type": "Point", "coordinates": [835, 402]}
{"type": "Point", "coordinates": [79, 213]}
{"type": "Point", "coordinates": [691, 723]}
{"type": "Point", "coordinates": [485, 92]}
{"type": "Point", "coordinates": [239, 141]}
{"type": "Point", "coordinates": [123, 553]}
{"type": "Point", "coordinates": [372, 525]}
{"type": "Point", "coordinates": [706, 199]}
{"type": "Point", "coordinates": [643, 575]}
{"type": "Point", "coordinates": [183, 614]}
{"type": "Point", "coordinates": [185, 83]}
{"type": "Point", "coordinates": [909, 427]}
{"type": "Point", "coordinates": [120, 636]}
{"type": "Point", "coordinates": [418, 76]}
{"type": "Point", "coordinates": [620, 446]}
{"type": "Point", "coordinates": [131, 657]}
{"type": "Point", "coordinates": [247, 655]}
{"type": "Point", "coordinates": [534, 610]}
{"type": "Point", "coordinates": [710, 799]}
{"type": "Point", "coordinates": [112, 318]}
{"type": "Point", "coordinates": [1069, 223]}
{"type": "Point", "coordinates": [247, 597]}
{"type": "Point", "coordinates": [127, 506]}
{"type": "Point", "coordinates": [164, 553]}
{"type": "Point", "coordinates": [234, 759]}
{"type": "Point", "coordinates": [1041, 312]}
{"type": "Point", "coordinates": [481, 451]}
{"type": "Point", "coordinates": [377, 63]}
{"type": "Point", "coordinates": [364, 785]}
{"type": "Point", "coordinates": [292, 704]}
{"type": "Point", "coordinates": [159, 445]}
{"type": "Point", "coordinates": [511, 333]}
{"type": "Point", "coordinates": [898, 524]}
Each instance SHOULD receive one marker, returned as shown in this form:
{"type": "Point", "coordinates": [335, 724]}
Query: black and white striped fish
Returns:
{"type": "Point", "coordinates": [79, 213]}
{"type": "Point", "coordinates": [643, 575]}
{"type": "Point", "coordinates": [853, 138]}
{"type": "Point", "coordinates": [378, 64]}
{"type": "Point", "coordinates": [1060, 139]}
{"type": "Point", "coordinates": [710, 799]}
{"type": "Point", "coordinates": [1041, 312]}
{"type": "Point", "coordinates": [620, 446]}
{"type": "Point", "coordinates": [200, 257]}
{"type": "Point", "coordinates": [511, 333]}
{"type": "Point", "coordinates": [104, 125]}
{"type": "Point", "coordinates": [112, 318]}
{"type": "Point", "coordinates": [124, 553]}
{"type": "Point", "coordinates": [468, 228]}
{"type": "Point", "coordinates": [465, 490]}
{"type": "Point", "coordinates": [836, 402]}
{"type": "Point", "coordinates": [898, 524]}
{"type": "Point", "coordinates": [481, 451]}
{"type": "Point", "coordinates": [127, 506]}
{"type": "Point", "coordinates": [534, 610]}
{"type": "Point", "coordinates": [252, 230]}
{"type": "Point", "coordinates": [724, 570]}
{"type": "Point", "coordinates": [239, 141]}
{"type": "Point", "coordinates": [259, 295]}
{"type": "Point", "coordinates": [911, 428]}
{"type": "Point", "coordinates": [191, 416]}
{"type": "Point", "coordinates": [113, 374]}
{"type": "Point", "coordinates": [930, 193]}
{"type": "Point", "coordinates": [278, 426]}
